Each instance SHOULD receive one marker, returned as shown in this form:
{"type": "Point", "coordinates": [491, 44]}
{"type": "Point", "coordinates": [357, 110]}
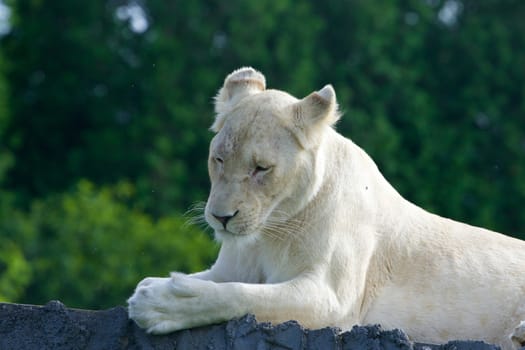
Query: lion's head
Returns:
{"type": "Point", "coordinates": [263, 159]}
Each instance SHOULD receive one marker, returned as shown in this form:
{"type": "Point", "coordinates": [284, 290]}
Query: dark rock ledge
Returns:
{"type": "Point", "coordinates": [56, 327]}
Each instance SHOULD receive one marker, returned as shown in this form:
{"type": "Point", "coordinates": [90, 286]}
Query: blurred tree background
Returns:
{"type": "Point", "coordinates": [105, 108]}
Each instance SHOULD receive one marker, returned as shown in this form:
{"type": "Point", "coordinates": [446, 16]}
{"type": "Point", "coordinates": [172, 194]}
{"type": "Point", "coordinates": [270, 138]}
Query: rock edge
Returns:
{"type": "Point", "coordinates": [57, 327]}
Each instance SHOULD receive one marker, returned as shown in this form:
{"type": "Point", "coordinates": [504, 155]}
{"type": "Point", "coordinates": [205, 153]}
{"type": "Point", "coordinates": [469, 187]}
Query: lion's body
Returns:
{"type": "Point", "coordinates": [312, 231]}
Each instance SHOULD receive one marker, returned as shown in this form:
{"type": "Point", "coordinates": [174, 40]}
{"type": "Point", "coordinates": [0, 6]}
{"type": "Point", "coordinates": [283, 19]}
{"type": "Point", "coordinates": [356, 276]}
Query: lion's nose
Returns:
{"type": "Point", "coordinates": [224, 219]}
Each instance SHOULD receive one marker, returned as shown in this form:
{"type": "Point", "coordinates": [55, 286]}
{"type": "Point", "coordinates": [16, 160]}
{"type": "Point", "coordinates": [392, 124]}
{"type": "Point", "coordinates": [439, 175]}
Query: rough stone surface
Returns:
{"type": "Point", "coordinates": [56, 327]}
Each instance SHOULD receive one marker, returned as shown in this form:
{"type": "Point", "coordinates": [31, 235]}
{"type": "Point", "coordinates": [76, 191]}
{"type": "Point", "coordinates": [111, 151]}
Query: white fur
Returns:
{"type": "Point", "coordinates": [317, 234]}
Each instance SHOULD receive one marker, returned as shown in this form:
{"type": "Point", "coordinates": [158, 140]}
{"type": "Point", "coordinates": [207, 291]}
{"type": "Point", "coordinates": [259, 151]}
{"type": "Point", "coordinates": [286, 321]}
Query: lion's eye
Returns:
{"type": "Point", "coordinates": [259, 169]}
{"type": "Point", "coordinates": [219, 160]}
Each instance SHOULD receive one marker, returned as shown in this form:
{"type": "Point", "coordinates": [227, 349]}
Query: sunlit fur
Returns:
{"type": "Point", "coordinates": [316, 234]}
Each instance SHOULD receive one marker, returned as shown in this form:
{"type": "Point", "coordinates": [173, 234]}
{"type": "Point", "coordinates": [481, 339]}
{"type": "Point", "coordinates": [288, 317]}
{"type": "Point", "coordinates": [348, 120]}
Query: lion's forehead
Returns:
{"type": "Point", "coordinates": [262, 113]}
{"type": "Point", "coordinates": [260, 131]}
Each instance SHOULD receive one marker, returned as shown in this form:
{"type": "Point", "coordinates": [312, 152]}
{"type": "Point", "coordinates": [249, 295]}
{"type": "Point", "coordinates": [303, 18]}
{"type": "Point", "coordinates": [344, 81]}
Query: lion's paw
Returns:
{"type": "Point", "coordinates": [163, 305]}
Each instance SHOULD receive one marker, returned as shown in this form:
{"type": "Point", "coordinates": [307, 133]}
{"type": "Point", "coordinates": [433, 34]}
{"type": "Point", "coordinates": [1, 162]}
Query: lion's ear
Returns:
{"type": "Point", "coordinates": [313, 112]}
{"type": "Point", "coordinates": [240, 83]}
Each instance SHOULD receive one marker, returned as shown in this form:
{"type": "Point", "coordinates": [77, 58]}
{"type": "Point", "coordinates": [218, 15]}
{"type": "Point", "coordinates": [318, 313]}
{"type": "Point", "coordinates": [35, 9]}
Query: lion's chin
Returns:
{"type": "Point", "coordinates": [226, 235]}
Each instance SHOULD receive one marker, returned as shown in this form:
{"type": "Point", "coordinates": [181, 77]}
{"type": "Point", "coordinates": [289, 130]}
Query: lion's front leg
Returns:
{"type": "Point", "coordinates": [163, 305]}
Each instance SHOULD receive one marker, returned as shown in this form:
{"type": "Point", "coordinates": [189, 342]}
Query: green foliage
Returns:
{"type": "Point", "coordinates": [6, 157]}
{"type": "Point", "coordinates": [15, 271]}
{"type": "Point", "coordinates": [73, 87]}
{"type": "Point", "coordinates": [88, 248]}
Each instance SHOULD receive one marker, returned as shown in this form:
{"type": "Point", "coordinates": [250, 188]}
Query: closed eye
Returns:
{"type": "Point", "coordinates": [259, 169]}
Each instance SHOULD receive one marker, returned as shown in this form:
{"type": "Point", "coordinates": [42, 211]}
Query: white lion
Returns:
{"type": "Point", "coordinates": [311, 231]}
